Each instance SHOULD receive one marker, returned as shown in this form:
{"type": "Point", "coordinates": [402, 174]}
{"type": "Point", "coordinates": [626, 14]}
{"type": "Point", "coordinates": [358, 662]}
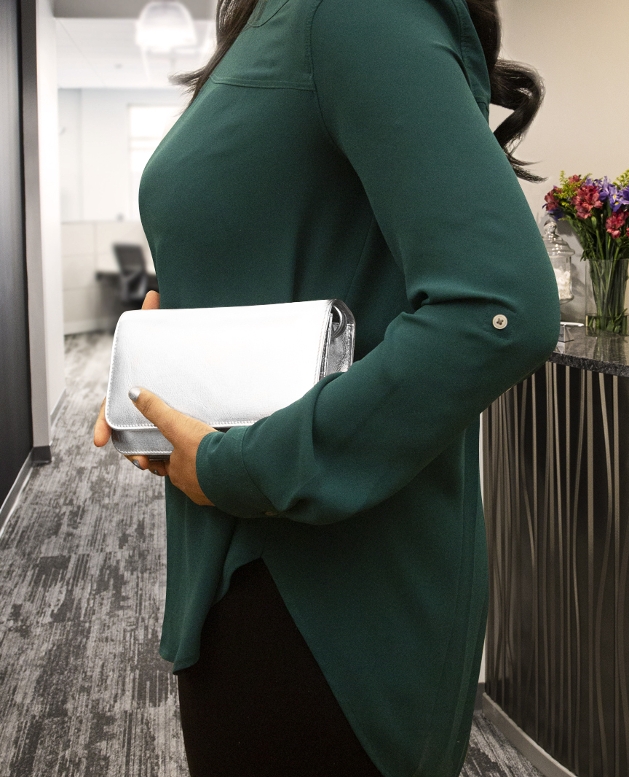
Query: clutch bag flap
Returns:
{"type": "Point", "coordinates": [227, 366]}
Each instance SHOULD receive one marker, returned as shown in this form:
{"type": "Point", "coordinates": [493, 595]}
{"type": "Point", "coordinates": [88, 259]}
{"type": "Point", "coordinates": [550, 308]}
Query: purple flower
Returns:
{"type": "Point", "coordinates": [607, 189]}
{"type": "Point", "coordinates": [619, 199]}
{"type": "Point", "coordinates": [609, 192]}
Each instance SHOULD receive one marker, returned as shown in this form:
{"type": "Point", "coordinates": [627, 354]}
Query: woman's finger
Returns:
{"type": "Point", "coordinates": [141, 462]}
{"type": "Point", "coordinates": [102, 430]}
{"type": "Point", "coordinates": [168, 420]}
{"type": "Point", "coordinates": [151, 301]}
{"type": "Point", "coordinates": [184, 432]}
{"type": "Point", "coordinates": [156, 467]}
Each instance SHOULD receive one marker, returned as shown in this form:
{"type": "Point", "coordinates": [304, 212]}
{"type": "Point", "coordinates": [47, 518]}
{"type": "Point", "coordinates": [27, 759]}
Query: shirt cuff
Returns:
{"type": "Point", "coordinates": [224, 479]}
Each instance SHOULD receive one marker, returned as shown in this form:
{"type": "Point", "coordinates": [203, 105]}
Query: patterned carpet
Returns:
{"type": "Point", "coordinates": [83, 691]}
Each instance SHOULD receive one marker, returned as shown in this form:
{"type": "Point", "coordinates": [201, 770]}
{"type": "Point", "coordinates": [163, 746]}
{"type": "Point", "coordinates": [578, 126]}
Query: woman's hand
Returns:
{"type": "Point", "coordinates": [102, 430]}
{"type": "Point", "coordinates": [184, 433]}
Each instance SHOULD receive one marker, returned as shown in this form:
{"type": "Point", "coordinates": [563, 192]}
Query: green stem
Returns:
{"type": "Point", "coordinates": [608, 272]}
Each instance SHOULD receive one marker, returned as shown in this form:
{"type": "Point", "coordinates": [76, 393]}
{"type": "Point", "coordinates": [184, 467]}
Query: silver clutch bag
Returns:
{"type": "Point", "coordinates": [225, 366]}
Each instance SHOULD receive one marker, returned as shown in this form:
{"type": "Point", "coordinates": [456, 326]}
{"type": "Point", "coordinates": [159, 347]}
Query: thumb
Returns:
{"type": "Point", "coordinates": [156, 411]}
{"type": "Point", "coordinates": [151, 301]}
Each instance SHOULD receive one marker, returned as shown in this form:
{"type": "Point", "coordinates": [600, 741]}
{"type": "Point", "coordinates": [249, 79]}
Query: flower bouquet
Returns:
{"type": "Point", "coordinates": [598, 211]}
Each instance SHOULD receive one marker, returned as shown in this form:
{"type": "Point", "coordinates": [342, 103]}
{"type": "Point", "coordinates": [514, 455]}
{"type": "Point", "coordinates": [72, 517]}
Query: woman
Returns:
{"type": "Point", "coordinates": [327, 586]}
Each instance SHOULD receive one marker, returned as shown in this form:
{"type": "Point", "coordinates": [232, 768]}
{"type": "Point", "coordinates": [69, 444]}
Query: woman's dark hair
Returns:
{"type": "Point", "coordinates": [231, 17]}
{"type": "Point", "coordinates": [513, 86]}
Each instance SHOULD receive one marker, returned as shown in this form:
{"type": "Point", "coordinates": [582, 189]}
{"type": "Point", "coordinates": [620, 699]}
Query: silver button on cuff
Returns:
{"type": "Point", "coordinates": [500, 321]}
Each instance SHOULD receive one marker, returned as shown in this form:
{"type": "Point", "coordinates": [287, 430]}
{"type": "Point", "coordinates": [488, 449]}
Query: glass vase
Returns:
{"type": "Point", "coordinates": [608, 285]}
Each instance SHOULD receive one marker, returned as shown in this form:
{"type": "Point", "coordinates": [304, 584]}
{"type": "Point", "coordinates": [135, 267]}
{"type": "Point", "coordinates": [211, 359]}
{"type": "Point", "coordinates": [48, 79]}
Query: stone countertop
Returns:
{"type": "Point", "coordinates": [604, 352]}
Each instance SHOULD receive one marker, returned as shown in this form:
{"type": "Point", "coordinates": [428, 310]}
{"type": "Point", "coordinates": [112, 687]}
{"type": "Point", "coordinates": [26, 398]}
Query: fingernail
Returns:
{"type": "Point", "coordinates": [134, 393]}
{"type": "Point", "coordinates": [136, 463]}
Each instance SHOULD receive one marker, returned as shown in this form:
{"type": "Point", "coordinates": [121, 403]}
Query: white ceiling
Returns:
{"type": "Point", "coordinates": [102, 54]}
{"type": "Point", "coordinates": [122, 9]}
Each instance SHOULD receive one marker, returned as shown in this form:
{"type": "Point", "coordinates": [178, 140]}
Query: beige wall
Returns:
{"type": "Point", "coordinates": [579, 47]}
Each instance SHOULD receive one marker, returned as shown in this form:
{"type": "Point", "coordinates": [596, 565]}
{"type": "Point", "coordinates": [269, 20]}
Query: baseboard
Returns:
{"type": "Point", "coordinates": [107, 323]}
{"type": "Point", "coordinates": [16, 489]}
{"type": "Point", "coordinates": [41, 454]}
{"type": "Point", "coordinates": [540, 759]}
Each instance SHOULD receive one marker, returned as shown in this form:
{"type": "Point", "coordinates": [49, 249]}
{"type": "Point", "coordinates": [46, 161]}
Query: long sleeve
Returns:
{"type": "Point", "coordinates": [399, 98]}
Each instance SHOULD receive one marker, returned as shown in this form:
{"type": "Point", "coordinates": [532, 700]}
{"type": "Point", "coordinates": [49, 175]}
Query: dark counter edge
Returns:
{"type": "Point", "coordinates": [605, 352]}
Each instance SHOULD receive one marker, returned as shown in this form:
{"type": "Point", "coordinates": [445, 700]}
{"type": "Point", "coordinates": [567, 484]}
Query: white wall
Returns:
{"type": "Point", "coordinates": [70, 142]}
{"type": "Point", "coordinates": [49, 200]}
{"type": "Point", "coordinates": [96, 197]}
{"type": "Point", "coordinates": [41, 217]}
{"type": "Point", "coordinates": [94, 143]}
{"type": "Point", "coordinates": [90, 304]}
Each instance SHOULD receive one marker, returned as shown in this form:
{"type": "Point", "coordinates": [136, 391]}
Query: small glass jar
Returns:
{"type": "Point", "coordinates": [560, 255]}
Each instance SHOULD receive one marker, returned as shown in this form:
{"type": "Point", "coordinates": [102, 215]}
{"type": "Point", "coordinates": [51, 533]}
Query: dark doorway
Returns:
{"type": "Point", "coordinates": [15, 404]}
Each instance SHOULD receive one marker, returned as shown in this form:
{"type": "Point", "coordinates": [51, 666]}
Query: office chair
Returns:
{"type": "Point", "coordinates": [134, 280]}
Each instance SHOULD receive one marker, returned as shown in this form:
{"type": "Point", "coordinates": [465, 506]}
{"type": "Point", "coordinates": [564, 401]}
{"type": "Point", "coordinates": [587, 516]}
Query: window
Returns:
{"type": "Point", "coordinates": [148, 124]}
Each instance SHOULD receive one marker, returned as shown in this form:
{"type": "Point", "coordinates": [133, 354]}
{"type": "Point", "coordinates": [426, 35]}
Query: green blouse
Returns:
{"type": "Point", "coordinates": [341, 149]}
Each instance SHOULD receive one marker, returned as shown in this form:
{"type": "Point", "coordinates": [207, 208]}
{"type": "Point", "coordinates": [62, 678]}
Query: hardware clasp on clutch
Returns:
{"type": "Point", "coordinates": [338, 328]}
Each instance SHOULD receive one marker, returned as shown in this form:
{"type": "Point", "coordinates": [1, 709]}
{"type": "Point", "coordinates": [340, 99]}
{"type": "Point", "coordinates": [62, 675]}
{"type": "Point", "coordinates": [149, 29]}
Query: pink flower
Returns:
{"type": "Point", "coordinates": [586, 199]}
{"type": "Point", "coordinates": [552, 203]}
{"type": "Point", "coordinates": [615, 223]}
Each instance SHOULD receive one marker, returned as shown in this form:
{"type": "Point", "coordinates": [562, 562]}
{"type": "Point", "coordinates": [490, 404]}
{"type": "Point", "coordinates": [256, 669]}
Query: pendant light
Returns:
{"type": "Point", "coordinates": [164, 26]}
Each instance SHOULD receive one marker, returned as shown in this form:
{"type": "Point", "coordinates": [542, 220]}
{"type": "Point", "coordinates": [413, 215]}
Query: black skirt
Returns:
{"type": "Point", "coordinates": [256, 704]}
